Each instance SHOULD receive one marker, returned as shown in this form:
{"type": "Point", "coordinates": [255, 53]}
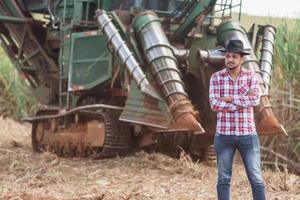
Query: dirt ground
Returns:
{"type": "Point", "coordinates": [27, 175]}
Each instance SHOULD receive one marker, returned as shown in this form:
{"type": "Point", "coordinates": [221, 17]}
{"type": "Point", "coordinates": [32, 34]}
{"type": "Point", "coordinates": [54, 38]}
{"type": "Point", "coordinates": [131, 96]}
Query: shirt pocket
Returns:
{"type": "Point", "coordinates": [243, 89]}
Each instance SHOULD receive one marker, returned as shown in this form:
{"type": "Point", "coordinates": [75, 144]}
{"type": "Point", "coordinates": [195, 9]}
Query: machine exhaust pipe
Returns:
{"type": "Point", "coordinates": [164, 68]}
{"type": "Point", "coordinates": [119, 45]}
{"type": "Point", "coordinates": [212, 57]}
{"type": "Point", "coordinates": [266, 122]}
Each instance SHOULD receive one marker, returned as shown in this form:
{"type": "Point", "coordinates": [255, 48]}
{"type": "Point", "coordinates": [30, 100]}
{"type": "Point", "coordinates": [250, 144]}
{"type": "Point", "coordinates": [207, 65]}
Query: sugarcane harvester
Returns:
{"type": "Point", "coordinates": [114, 76]}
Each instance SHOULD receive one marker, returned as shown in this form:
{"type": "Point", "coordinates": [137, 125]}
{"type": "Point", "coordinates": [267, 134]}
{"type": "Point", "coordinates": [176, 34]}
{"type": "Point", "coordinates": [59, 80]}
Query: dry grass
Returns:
{"type": "Point", "coordinates": [287, 108]}
{"type": "Point", "coordinates": [25, 175]}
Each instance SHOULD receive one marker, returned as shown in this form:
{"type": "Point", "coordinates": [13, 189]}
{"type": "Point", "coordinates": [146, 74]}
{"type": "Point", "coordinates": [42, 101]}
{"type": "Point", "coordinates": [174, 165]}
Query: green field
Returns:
{"type": "Point", "coordinates": [16, 100]}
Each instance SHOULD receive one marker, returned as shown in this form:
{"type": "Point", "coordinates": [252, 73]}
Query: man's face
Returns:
{"type": "Point", "coordinates": [233, 60]}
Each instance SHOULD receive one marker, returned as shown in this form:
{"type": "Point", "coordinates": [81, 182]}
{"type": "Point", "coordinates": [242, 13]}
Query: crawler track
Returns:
{"type": "Point", "coordinates": [67, 136]}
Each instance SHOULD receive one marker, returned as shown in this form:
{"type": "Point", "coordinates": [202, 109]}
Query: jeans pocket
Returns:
{"type": "Point", "coordinates": [255, 142]}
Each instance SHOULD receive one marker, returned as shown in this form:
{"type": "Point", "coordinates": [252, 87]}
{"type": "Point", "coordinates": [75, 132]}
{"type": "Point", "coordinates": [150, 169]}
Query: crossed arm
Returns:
{"type": "Point", "coordinates": [232, 103]}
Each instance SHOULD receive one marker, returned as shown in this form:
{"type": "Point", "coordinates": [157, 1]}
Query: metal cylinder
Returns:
{"type": "Point", "coordinates": [159, 54]}
{"type": "Point", "coordinates": [180, 54]}
{"type": "Point", "coordinates": [127, 57]}
{"type": "Point", "coordinates": [164, 67]}
{"type": "Point", "coordinates": [212, 57]}
{"type": "Point", "coordinates": [266, 63]}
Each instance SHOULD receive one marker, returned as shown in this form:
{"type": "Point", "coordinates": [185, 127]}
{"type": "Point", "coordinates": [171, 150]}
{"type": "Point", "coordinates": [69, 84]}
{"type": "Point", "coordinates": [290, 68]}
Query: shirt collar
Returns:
{"type": "Point", "coordinates": [225, 71]}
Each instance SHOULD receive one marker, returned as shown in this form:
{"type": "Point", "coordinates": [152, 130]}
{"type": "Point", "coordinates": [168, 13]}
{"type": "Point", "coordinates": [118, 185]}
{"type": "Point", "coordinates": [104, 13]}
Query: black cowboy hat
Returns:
{"type": "Point", "coordinates": [236, 46]}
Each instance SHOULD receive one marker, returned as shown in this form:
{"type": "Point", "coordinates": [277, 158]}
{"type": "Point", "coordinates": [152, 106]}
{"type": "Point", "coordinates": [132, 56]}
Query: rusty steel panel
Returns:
{"type": "Point", "coordinates": [95, 133]}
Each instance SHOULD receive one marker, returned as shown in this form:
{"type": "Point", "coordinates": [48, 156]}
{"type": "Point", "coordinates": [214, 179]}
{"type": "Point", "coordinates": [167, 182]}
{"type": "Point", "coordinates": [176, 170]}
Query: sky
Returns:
{"type": "Point", "coordinates": [276, 8]}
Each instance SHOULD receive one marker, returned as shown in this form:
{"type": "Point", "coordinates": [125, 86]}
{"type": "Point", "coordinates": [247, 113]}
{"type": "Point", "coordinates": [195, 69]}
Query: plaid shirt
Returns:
{"type": "Point", "coordinates": [234, 118]}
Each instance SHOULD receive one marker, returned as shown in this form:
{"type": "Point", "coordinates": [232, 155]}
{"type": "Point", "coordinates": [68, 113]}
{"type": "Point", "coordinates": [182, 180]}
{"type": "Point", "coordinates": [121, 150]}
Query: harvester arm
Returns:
{"type": "Point", "coordinates": [202, 8]}
{"type": "Point", "coordinates": [125, 54]}
{"type": "Point", "coordinates": [26, 50]}
{"type": "Point", "coordinates": [163, 66]}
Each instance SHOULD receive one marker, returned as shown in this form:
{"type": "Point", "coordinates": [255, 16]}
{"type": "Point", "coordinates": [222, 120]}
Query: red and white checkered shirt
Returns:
{"type": "Point", "coordinates": [234, 118]}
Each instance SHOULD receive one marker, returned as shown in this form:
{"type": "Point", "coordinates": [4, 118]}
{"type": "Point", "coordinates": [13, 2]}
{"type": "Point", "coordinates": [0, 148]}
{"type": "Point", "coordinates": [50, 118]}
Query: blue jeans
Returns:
{"type": "Point", "coordinates": [249, 148]}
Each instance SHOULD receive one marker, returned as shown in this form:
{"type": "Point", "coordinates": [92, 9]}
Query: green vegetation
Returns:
{"type": "Point", "coordinates": [15, 99]}
{"type": "Point", "coordinates": [287, 56]}
{"type": "Point", "coordinates": [248, 20]}
{"type": "Point", "coordinates": [285, 88]}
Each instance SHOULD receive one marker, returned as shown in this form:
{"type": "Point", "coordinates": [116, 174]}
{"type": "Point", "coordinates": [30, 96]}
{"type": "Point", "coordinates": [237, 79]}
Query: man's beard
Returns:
{"type": "Point", "coordinates": [232, 67]}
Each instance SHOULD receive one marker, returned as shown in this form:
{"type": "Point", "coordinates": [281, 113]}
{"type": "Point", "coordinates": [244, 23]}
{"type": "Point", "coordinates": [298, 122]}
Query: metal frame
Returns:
{"type": "Point", "coordinates": [228, 5]}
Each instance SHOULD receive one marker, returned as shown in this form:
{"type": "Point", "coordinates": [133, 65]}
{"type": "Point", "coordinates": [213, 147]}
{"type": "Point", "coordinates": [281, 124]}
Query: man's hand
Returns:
{"type": "Point", "coordinates": [227, 99]}
{"type": "Point", "coordinates": [251, 92]}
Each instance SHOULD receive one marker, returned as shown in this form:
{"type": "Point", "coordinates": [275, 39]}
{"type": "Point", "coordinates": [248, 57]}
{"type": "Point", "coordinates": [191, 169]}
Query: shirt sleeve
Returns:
{"type": "Point", "coordinates": [216, 103]}
{"type": "Point", "coordinates": [249, 99]}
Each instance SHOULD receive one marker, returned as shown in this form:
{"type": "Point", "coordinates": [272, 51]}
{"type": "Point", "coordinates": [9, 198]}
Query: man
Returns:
{"type": "Point", "coordinates": [233, 93]}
